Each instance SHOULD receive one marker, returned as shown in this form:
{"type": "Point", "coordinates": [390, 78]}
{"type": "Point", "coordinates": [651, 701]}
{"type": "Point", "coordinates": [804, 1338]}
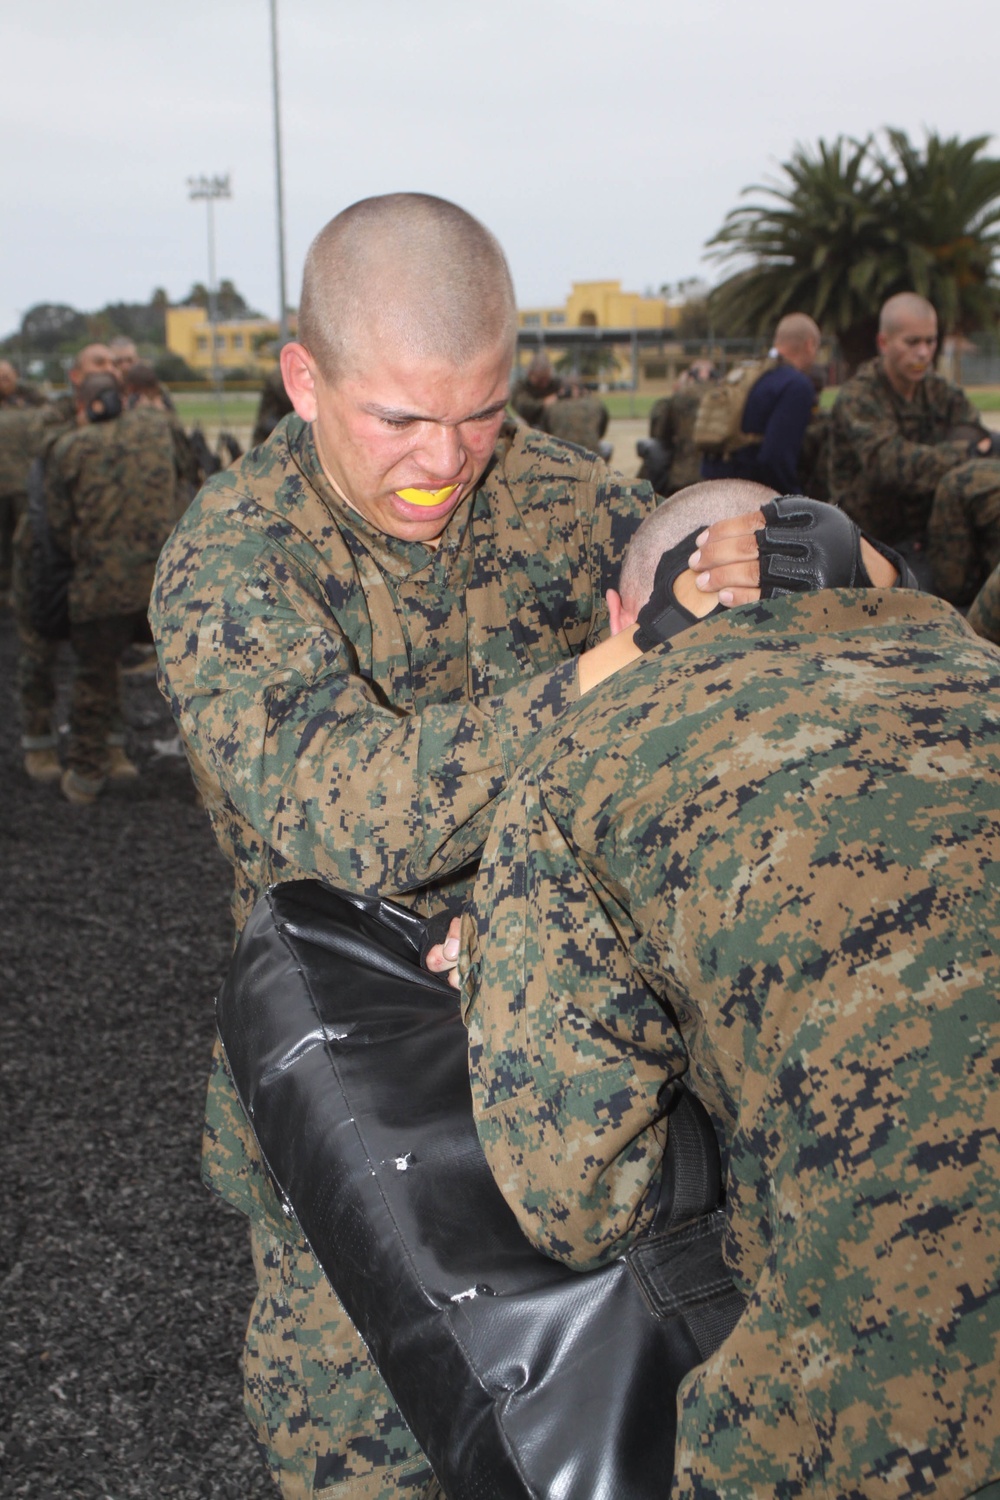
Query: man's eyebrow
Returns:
{"type": "Point", "coordinates": [400, 414]}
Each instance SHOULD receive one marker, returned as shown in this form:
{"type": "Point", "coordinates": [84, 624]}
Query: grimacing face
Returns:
{"type": "Point", "coordinates": [908, 349]}
{"type": "Point", "coordinates": [407, 423]}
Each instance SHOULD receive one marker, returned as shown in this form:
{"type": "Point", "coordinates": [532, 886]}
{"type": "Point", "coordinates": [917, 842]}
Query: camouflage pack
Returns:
{"type": "Point", "coordinates": [718, 425]}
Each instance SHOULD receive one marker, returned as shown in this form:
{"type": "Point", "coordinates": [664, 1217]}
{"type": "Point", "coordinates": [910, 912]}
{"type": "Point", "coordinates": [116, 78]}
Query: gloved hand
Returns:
{"type": "Point", "coordinates": [807, 545]}
{"type": "Point", "coordinates": [661, 616]}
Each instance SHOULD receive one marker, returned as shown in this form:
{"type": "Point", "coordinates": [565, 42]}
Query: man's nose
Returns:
{"type": "Point", "coordinates": [441, 452]}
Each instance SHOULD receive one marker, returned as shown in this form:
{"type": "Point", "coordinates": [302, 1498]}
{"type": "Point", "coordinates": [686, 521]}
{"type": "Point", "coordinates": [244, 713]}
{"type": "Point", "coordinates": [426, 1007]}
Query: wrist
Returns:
{"type": "Point", "coordinates": [604, 659]}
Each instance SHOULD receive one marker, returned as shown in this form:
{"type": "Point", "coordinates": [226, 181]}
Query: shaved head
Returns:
{"type": "Point", "coordinates": [407, 272]}
{"type": "Point", "coordinates": [689, 510]}
{"type": "Point", "coordinates": [902, 309]}
{"type": "Point", "coordinates": [795, 331]}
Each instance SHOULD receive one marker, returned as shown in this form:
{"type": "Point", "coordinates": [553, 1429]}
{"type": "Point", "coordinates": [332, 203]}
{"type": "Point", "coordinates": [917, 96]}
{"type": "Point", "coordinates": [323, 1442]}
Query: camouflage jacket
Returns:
{"type": "Point", "coordinates": [778, 841]}
{"type": "Point", "coordinates": [529, 400]}
{"type": "Point", "coordinates": [576, 419]}
{"type": "Point", "coordinates": [22, 432]}
{"type": "Point", "coordinates": [984, 612]}
{"type": "Point", "coordinates": [111, 498]}
{"type": "Point", "coordinates": [887, 454]}
{"type": "Point", "coordinates": [671, 422]}
{"type": "Point", "coordinates": [352, 704]}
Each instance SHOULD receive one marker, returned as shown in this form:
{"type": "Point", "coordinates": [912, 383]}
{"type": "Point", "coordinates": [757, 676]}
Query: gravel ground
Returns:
{"type": "Point", "coordinates": [124, 1287]}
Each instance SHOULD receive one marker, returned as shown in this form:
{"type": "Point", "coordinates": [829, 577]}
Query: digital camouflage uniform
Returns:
{"type": "Point", "coordinates": [984, 612]}
{"type": "Point", "coordinates": [528, 399]}
{"type": "Point", "coordinates": [351, 705]}
{"type": "Point", "coordinates": [893, 468]}
{"type": "Point", "coordinates": [671, 423]}
{"type": "Point", "coordinates": [20, 435]}
{"type": "Point", "coordinates": [36, 657]}
{"type": "Point", "coordinates": [784, 831]}
{"type": "Point", "coordinates": [111, 498]}
{"type": "Point", "coordinates": [576, 419]}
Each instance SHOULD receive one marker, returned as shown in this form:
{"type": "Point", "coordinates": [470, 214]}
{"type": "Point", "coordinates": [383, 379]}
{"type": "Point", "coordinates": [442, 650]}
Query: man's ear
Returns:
{"type": "Point", "coordinates": [621, 618]}
{"type": "Point", "coordinates": [880, 342]}
{"type": "Point", "coordinates": [298, 371]}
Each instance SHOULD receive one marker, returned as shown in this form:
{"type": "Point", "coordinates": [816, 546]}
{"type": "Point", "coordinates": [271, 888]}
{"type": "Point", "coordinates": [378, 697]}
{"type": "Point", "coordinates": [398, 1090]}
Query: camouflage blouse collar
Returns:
{"type": "Point", "coordinates": [395, 556]}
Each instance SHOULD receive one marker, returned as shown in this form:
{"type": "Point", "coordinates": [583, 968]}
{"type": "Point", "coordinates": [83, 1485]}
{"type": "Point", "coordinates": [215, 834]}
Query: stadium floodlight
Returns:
{"type": "Point", "coordinates": [278, 180]}
{"type": "Point", "coordinates": [210, 189]}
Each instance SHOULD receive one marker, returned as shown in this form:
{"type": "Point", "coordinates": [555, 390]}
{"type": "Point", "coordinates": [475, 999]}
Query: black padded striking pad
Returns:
{"type": "Point", "coordinates": [518, 1377]}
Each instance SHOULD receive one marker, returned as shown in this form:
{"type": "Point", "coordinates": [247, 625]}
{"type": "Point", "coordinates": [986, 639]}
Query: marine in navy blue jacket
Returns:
{"type": "Point", "coordinates": [779, 406]}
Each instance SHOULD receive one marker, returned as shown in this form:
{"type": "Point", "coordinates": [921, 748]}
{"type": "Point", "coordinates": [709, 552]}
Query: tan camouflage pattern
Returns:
{"type": "Point", "coordinates": [963, 532]}
{"type": "Point", "coordinates": [36, 658]}
{"type": "Point", "coordinates": [984, 612]}
{"type": "Point", "coordinates": [887, 455]}
{"type": "Point", "coordinates": [111, 496]}
{"type": "Point", "coordinates": [783, 832]}
{"type": "Point", "coordinates": [95, 712]}
{"type": "Point", "coordinates": [528, 400]}
{"type": "Point", "coordinates": [671, 422]}
{"type": "Point", "coordinates": [352, 705]}
{"type": "Point", "coordinates": [576, 419]}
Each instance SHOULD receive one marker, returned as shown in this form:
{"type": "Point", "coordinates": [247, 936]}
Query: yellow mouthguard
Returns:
{"type": "Point", "coordinates": [427, 497]}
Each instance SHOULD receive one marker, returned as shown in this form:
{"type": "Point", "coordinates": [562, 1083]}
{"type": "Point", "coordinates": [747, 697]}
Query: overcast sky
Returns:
{"type": "Point", "coordinates": [597, 138]}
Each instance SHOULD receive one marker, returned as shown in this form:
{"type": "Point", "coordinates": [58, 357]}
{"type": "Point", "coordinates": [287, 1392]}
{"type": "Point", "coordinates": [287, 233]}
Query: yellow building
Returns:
{"type": "Point", "coordinates": [240, 343]}
{"type": "Point", "coordinates": [603, 304]}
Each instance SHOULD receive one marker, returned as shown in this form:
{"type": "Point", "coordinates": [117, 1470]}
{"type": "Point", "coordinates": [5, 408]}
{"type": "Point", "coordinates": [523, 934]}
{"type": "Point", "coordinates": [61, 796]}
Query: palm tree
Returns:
{"type": "Point", "coordinates": [852, 223]}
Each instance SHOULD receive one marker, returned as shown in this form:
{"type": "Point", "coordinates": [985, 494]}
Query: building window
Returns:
{"type": "Point", "coordinates": [656, 369]}
{"type": "Point", "coordinates": [220, 341]}
{"type": "Point", "coordinates": [202, 343]}
{"type": "Point", "coordinates": [237, 341]}
{"type": "Point", "coordinates": [555, 319]}
{"type": "Point", "coordinates": [531, 320]}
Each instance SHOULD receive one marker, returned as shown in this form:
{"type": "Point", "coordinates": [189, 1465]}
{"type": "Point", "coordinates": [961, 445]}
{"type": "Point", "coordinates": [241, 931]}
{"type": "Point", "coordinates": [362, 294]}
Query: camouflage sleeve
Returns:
{"type": "Point", "coordinates": [267, 693]}
{"type": "Point", "coordinates": [889, 460]}
{"type": "Point", "coordinates": [58, 473]}
{"type": "Point", "coordinates": [569, 1050]}
{"type": "Point", "coordinates": [984, 612]}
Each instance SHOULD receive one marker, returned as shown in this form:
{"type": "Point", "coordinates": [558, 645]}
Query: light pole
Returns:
{"type": "Point", "coordinates": [211, 188]}
{"type": "Point", "coordinates": [278, 187]}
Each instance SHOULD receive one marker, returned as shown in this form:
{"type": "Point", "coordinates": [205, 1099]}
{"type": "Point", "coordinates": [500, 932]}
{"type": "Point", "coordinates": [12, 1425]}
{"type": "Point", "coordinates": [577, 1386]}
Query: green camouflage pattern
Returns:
{"type": "Point", "coordinates": [576, 419]}
{"type": "Point", "coordinates": [24, 395]}
{"type": "Point", "coordinates": [887, 455]}
{"type": "Point", "coordinates": [963, 532]}
{"type": "Point", "coordinates": [22, 429]}
{"type": "Point", "coordinates": [95, 712]}
{"type": "Point", "coordinates": [112, 496]}
{"type": "Point", "coordinates": [671, 422]}
{"type": "Point", "coordinates": [529, 400]}
{"type": "Point", "coordinates": [782, 834]}
{"type": "Point", "coordinates": [324, 1419]}
{"type": "Point", "coordinates": [352, 705]}
{"type": "Point", "coordinates": [36, 658]}
{"type": "Point", "coordinates": [984, 611]}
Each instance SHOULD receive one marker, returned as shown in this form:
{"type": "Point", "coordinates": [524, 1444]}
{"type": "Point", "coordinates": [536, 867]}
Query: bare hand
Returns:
{"type": "Point", "coordinates": [444, 956]}
{"type": "Point", "coordinates": [726, 560]}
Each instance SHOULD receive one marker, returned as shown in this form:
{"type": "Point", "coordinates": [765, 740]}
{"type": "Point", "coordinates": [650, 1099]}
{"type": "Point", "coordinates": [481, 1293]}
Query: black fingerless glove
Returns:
{"type": "Point", "coordinates": [807, 545]}
{"type": "Point", "coordinates": [661, 616]}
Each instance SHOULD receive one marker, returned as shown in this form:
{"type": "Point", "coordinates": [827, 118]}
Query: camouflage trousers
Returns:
{"type": "Point", "coordinates": [36, 687]}
{"type": "Point", "coordinates": [95, 715]}
{"type": "Point", "coordinates": [984, 613]}
{"type": "Point", "coordinates": [325, 1421]}
{"type": "Point", "coordinates": [963, 532]}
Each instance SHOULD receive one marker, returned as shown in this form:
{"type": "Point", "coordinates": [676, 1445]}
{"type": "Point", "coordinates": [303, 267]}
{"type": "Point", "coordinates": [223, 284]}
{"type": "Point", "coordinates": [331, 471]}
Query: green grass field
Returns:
{"type": "Point", "coordinates": [202, 410]}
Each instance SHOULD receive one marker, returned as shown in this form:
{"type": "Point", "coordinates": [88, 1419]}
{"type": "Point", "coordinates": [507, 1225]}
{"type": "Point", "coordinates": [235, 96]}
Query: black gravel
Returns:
{"type": "Point", "coordinates": [124, 1287]}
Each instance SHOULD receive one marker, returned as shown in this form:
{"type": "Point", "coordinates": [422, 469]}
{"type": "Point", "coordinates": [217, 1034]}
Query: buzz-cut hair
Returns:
{"type": "Point", "coordinates": [902, 306]}
{"type": "Point", "coordinates": [409, 271]}
{"type": "Point", "coordinates": [688, 511]}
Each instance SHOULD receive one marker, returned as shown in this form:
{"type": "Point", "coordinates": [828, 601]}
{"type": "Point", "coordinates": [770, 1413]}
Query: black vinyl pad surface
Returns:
{"type": "Point", "coordinates": [518, 1377]}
